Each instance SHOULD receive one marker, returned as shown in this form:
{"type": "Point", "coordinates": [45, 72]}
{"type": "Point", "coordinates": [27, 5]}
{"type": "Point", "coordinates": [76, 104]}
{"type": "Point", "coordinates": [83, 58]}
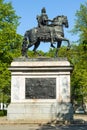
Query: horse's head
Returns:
{"type": "Point", "coordinates": [61, 20]}
{"type": "Point", "coordinates": [65, 21]}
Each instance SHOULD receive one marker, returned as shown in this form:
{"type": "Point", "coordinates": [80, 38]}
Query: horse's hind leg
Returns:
{"type": "Point", "coordinates": [36, 45]}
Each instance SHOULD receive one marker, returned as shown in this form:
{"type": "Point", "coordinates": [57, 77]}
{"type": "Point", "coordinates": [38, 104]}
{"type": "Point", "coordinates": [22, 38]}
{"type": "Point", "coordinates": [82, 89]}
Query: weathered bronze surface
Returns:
{"type": "Point", "coordinates": [46, 31]}
{"type": "Point", "coordinates": [40, 88]}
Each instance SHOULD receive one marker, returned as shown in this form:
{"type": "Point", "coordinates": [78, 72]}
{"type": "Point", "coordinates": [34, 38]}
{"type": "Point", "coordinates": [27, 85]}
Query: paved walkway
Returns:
{"type": "Point", "coordinates": [44, 127]}
{"type": "Point", "coordinates": [18, 127]}
{"type": "Point", "coordinates": [80, 123]}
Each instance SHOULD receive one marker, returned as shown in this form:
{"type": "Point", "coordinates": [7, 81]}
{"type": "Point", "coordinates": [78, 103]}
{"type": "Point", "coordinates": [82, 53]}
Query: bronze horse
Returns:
{"type": "Point", "coordinates": [52, 33]}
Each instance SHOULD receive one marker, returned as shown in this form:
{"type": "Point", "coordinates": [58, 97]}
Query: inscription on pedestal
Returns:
{"type": "Point", "coordinates": [40, 88]}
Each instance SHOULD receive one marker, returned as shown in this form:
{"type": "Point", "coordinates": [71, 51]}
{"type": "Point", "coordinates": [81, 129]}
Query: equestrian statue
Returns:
{"type": "Point", "coordinates": [46, 31]}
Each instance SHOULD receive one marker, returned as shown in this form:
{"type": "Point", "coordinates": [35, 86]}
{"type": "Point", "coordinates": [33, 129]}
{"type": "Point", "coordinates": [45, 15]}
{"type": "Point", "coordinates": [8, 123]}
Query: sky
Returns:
{"type": "Point", "coordinates": [29, 9]}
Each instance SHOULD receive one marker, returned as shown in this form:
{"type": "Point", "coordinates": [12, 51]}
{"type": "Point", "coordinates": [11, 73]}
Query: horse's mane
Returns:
{"type": "Point", "coordinates": [57, 17]}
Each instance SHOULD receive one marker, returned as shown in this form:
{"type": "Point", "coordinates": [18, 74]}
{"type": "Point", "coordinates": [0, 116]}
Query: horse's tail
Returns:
{"type": "Point", "coordinates": [25, 43]}
{"type": "Point", "coordinates": [26, 37]}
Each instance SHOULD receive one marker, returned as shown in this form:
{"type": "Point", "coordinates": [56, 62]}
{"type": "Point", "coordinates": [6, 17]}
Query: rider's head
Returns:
{"type": "Point", "coordinates": [43, 10]}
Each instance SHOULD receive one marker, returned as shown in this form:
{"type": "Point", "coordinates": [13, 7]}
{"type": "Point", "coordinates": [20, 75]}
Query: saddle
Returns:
{"type": "Point", "coordinates": [43, 32]}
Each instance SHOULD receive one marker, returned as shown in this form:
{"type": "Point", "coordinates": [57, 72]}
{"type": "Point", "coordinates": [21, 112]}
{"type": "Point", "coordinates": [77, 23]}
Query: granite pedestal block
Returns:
{"type": "Point", "coordinates": [40, 90]}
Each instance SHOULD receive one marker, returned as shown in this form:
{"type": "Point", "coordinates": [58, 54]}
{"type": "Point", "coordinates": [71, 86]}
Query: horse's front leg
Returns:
{"type": "Point", "coordinates": [68, 47]}
{"type": "Point", "coordinates": [57, 49]}
{"type": "Point", "coordinates": [64, 39]}
{"type": "Point", "coordinates": [52, 45]}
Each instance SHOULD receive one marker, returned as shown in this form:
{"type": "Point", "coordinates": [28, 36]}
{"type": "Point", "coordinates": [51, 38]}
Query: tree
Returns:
{"type": "Point", "coordinates": [79, 55]}
{"type": "Point", "coordinates": [9, 39]}
{"type": "Point", "coordinates": [79, 75]}
{"type": "Point", "coordinates": [80, 26]}
{"type": "Point", "coordinates": [10, 43]}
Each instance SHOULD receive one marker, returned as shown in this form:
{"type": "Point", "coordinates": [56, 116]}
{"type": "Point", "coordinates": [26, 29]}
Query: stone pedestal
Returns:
{"type": "Point", "coordinates": [40, 90]}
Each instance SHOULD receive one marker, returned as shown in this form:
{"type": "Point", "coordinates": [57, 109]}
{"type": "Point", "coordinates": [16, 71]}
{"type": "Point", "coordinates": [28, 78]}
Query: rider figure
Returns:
{"type": "Point", "coordinates": [43, 18]}
{"type": "Point", "coordinates": [43, 21]}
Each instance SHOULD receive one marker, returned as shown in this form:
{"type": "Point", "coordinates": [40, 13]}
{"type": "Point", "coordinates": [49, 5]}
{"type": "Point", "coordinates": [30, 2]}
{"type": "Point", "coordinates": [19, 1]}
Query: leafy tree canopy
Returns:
{"type": "Point", "coordinates": [80, 26]}
{"type": "Point", "coordinates": [10, 43]}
